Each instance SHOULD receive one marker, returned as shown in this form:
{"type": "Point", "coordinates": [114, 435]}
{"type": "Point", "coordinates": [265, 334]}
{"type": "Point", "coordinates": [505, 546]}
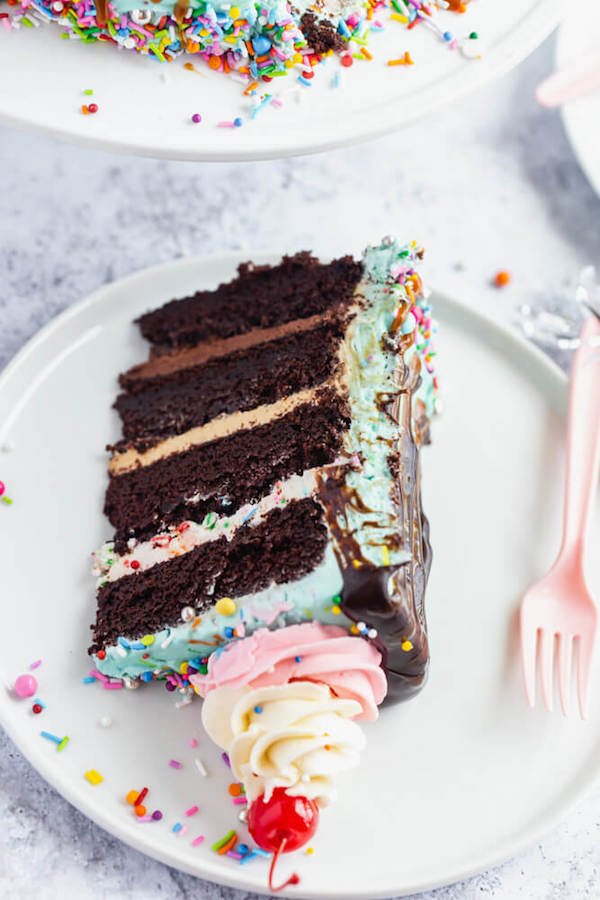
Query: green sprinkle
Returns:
{"type": "Point", "coordinates": [88, 93]}
{"type": "Point", "coordinates": [224, 840]}
{"type": "Point", "coordinates": [63, 744]}
{"type": "Point", "coordinates": [473, 35]}
{"type": "Point", "coordinates": [336, 600]}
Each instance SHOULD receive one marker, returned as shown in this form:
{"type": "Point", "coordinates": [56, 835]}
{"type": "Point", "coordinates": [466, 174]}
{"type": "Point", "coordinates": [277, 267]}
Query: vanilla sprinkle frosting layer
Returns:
{"type": "Point", "coordinates": [183, 538]}
{"type": "Point", "coordinates": [218, 428]}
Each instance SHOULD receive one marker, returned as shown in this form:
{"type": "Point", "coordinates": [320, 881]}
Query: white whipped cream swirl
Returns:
{"type": "Point", "coordinates": [296, 735]}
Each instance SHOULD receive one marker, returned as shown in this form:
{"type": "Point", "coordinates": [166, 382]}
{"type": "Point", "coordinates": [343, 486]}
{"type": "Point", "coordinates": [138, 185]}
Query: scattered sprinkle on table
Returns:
{"type": "Point", "coordinates": [93, 776]}
{"type": "Point", "coordinates": [191, 811]}
{"type": "Point", "coordinates": [197, 840]}
{"type": "Point", "coordinates": [502, 278]}
{"type": "Point", "coordinates": [36, 664]}
{"type": "Point", "coordinates": [174, 764]}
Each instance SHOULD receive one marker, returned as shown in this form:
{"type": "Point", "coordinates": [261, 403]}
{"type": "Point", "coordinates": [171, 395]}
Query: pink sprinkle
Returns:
{"type": "Point", "coordinates": [182, 830]}
{"type": "Point", "coordinates": [276, 102]}
{"type": "Point", "coordinates": [144, 818]}
{"type": "Point", "coordinates": [191, 811]}
{"type": "Point", "coordinates": [233, 854]}
{"type": "Point", "coordinates": [174, 764]}
{"type": "Point", "coordinates": [197, 840]}
{"type": "Point", "coordinates": [239, 800]}
{"type": "Point", "coordinates": [112, 686]}
{"type": "Point", "coordinates": [225, 125]}
{"type": "Point", "coordinates": [35, 664]}
{"type": "Point", "coordinates": [193, 742]}
{"type": "Point", "coordinates": [99, 675]}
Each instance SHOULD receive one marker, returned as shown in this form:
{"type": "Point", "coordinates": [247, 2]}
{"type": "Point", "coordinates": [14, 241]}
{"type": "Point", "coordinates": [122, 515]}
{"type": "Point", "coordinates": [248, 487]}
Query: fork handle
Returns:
{"type": "Point", "coordinates": [583, 442]}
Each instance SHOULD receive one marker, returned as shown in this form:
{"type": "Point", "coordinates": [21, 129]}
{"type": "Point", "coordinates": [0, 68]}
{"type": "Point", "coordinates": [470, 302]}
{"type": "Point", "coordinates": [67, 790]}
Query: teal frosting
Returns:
{"type": "Point", "coordinates": [389, 271]}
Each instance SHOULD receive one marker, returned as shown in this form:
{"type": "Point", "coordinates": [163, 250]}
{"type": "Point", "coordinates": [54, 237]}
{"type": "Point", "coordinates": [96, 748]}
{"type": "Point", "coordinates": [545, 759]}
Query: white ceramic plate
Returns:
{"type": "Point", "coordinates": [451, 783]}
{"type": "Point", "coordinates": [41, 84]}
{"type": "Point", "coordinates": [582, 117]}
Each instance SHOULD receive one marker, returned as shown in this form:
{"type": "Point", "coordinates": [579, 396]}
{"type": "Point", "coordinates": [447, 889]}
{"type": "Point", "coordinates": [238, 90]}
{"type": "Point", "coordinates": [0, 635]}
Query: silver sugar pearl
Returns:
{"type": "Point", "coordinates": [188, 613]}
{"type": "Point", "coordinates": [130, 683]}
{"type": "Point", "coordinates": [372, 633]}
{"type": "Point", "coordinates": [361, 626]}
{"type": "Point", "coordinates": [387, 241]}
{"type": "Point", "coordinates": [243, 815]}
{"type": "Point", "coordinates": [106, 721]}
{"type": "Point", "coordinates": [141, 16]}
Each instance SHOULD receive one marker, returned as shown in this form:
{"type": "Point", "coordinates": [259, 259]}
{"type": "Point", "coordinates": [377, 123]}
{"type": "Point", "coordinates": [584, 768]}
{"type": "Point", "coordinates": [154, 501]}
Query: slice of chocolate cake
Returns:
{"type": "Point", "coordinates": [268, 471]}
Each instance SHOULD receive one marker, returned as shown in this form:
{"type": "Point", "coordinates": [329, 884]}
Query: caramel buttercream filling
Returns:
{"type": "Point", "coordinates": [220, 427]}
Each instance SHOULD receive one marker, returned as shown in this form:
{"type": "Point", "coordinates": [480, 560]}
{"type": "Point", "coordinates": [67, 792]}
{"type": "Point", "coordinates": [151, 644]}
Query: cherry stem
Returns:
{"type": "Point", "coordinates": [293, 879]}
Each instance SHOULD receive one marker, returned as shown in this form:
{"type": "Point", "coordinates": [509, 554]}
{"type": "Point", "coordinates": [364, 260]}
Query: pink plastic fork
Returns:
{"type": "Point", "coordinates": [559, 608]}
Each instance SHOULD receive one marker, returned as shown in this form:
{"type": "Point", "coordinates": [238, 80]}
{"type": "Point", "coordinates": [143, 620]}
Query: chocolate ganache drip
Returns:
{"type": "Point", "coordinates": [389, 599]}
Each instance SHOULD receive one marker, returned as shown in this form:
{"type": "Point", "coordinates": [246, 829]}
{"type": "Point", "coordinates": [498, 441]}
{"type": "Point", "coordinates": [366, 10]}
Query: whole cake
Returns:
{"type": "Point", "coordinates": [270, 552]}
{"type": "Point", "coordinates": [257, 41]}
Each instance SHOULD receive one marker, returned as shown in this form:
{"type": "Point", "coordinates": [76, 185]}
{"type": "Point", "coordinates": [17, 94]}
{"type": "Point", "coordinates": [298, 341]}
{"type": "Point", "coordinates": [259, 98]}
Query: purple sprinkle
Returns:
{"type": "Point", "coordinates": [174, 764]}
{"type": "Point", "coordinates": [157, 815]}
{"type": "Point", "coordinates": [35, 664]}
{"type": "Point", "coordinates": [169, 686]}
{"type": "Point", "coordinates": [233, 854]}
{"type": "Point", "coordinates": [196, 118]}
{"type": "Point", "coordinates": [225, 759]}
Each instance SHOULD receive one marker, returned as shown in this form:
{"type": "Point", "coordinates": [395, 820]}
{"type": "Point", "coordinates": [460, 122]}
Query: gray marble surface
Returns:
{"type": "Point", "coordinates": [490, 183]}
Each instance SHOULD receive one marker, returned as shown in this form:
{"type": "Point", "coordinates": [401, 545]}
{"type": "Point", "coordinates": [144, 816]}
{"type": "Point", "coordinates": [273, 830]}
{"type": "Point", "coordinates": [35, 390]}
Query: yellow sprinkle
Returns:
{"type": "Point", "coordinates": [406, 646]}
{"type": "Point", "coordinates": [184, 667]}
{"type": "Point", "coordinates": [234, 12]}
{"type": "Point", "coordinates": [396, 17]}
{"type": "Point", "coordinates": [94, 777]}
{"type": "Point", "coordinates": [335, 610]}
{"type": "Point", "coordinates": [289, 64]}
{"type": "Point", "coordinates": [385, 555]}
{"type": "Point", "coordinates": [297, 58]}
{"type": "Point", "coordinates": [354, 628]}
{"type": "Point", "coordinates": [147, 640]}
{"type": "Point", "coordinates": [356, 563]}
{"type": "Point", "coordinates": [310, 851]}
{"type": "Point", "coordinates": [225, 606]}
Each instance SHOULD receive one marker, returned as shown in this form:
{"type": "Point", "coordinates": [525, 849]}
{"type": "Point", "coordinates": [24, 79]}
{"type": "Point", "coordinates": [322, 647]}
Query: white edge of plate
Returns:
{"type": "Point", "coordinates": [539, 23]}
{"type": "Point", "coordinates": [564, 46]}
{"type": "Point", "coordinates": [503, 338]}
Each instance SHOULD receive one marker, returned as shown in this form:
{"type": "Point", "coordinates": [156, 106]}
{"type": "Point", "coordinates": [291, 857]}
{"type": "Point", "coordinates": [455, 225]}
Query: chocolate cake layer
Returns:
{"type": "Point", "coordinates": [171, 403]}
{"type": "Point", "coordinates": [149, 601]}
{"type": "Point", "coordinates": [229, 472]}
{"type": "Point", "coordinates": [261, 296]}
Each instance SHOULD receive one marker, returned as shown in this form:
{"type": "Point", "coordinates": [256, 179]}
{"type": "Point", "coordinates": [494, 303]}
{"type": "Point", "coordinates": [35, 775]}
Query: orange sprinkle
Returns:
{"type": "Point", "coordinates": [251, 87]}
{"type": "Point", "coordinates": [239, 23]}
{"type": "Point", "coordinates": [228, 846]}
{"type": "Point", "coordinates": [226, 67]}
{"type": "Point", "coordinates": [244, 70]}
{"type": "Point", "coordinates": [263, 58]}
{"type": "Point", "coordinates": [234, 789]}
{"type": "Point", "coordinates": [250, 48]}
{"type": "Point", "coordinates": [366, 53]}
{"type": "Point", "coordinates": [502, 278]}
{"type": "Point", "coordinates": [370, 12]}
{"type": "Point", "coordinates": [140, 810]}
{"type": "Point", "coordinates": [327, 747]}
{"type": "Point", "coordinates": [84, 110]}
{"type": "Point", "coordinates": [189, 66]}
{"type": "Point", "coordinates": [132, 796]}
{"type": "Point", "coordinates": [214, 62]}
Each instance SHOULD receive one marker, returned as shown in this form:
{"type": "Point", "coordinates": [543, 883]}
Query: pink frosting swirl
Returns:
{"type": "Point", "coordinates": [309, 652]}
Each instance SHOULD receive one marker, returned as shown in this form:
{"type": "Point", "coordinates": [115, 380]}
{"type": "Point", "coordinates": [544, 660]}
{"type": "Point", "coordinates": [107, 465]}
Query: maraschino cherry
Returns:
{"type": "Point", "coordinates": [282, 824]}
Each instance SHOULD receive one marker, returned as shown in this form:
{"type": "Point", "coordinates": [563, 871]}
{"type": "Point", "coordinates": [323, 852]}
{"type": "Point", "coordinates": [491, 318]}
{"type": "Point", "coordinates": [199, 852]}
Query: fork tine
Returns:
{"type": "Point", "coordinates": [584, 660]}
{"type": "Point", "coordinates": [565, 651]}
{"type": "Point", "coordinates": [528, 650]}
{"type": "Point", "coordinates": [546, 660]}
